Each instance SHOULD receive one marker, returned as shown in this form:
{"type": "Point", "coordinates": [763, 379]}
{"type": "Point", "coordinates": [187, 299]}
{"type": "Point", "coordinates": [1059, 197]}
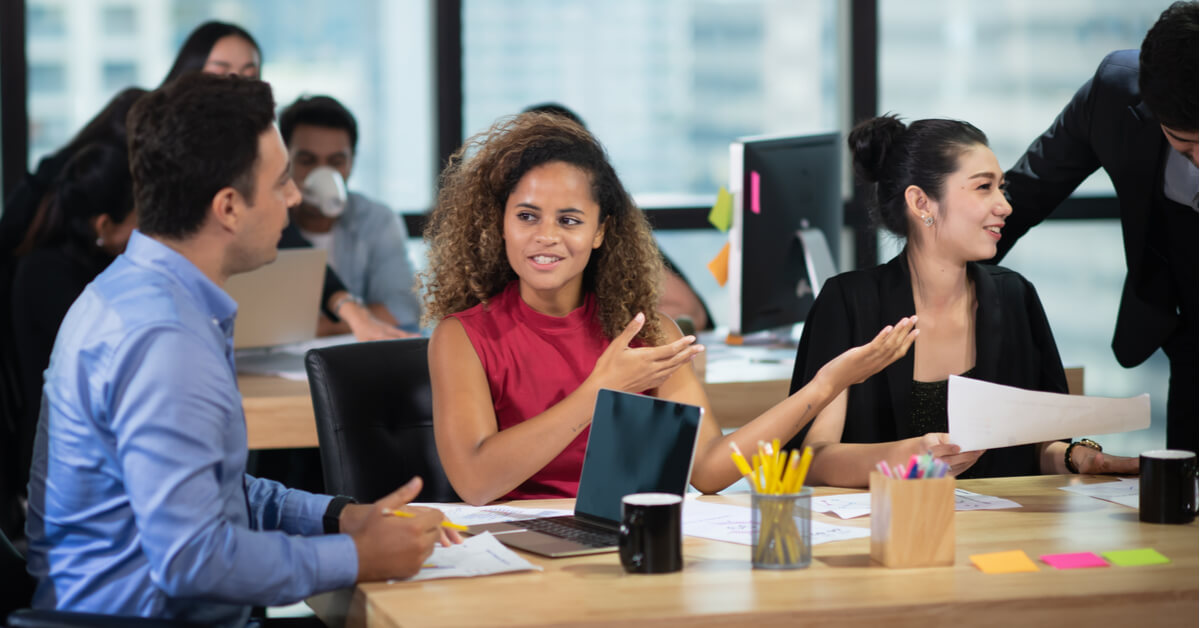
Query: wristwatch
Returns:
{"type": "Point", "coordinates": [333, 513]}
{"type": "Point", "coordinates": [1086, 442]}
{"type": "Point", "coordinates": [344, 299]}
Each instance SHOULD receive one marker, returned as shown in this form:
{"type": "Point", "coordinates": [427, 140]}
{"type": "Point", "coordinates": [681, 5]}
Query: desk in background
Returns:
{"type": "Point", "coordinates": [742, 383]}
{"type": "Point", "coordinates": [717, 587]}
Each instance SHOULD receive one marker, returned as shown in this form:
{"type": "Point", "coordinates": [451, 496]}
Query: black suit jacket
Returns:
{"type": "Point", "coordinates": [1106, 125]}
{"type": "Point", "coordinates": [1013, 346]}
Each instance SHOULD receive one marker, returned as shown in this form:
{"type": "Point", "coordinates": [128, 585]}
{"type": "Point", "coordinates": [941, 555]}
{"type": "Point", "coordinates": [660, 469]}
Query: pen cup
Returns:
{"type": "Point", "coordinates": [781, 530]}
{"type": "Point", "coordinates": [912, 521]}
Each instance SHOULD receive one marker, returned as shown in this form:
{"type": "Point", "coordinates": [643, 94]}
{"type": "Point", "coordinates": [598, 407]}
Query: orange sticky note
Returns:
{"type": "Point", "coordinates": [719, 266]}
{"type": "Point", "coordinates": [721, 214]}
{"type": "Point", "coordinates": [1004, 562]}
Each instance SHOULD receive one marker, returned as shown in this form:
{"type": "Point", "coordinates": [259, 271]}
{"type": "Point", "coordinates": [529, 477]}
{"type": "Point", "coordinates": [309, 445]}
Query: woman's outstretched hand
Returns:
{"type": "Point", "coordinates": [621, 367]}
{"type": "Point", "coordinates": [857, 364]}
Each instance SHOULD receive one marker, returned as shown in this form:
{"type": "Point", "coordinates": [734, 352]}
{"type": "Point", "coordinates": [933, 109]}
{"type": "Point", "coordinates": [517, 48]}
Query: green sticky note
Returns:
{"type": "Point", "coordinates": [1135, 557]}
{"type": "Point", "coordinates": [721, 214]}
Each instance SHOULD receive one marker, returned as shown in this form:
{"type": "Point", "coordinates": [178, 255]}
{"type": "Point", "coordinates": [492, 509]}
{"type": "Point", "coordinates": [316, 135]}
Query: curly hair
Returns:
{"type": "Point", "coordinates": [464, 233]}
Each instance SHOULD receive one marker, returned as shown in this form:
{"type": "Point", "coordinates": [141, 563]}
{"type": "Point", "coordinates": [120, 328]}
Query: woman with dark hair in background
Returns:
{"type": "Point", "coordinates": [218, 48]}
{"type": "Point", "coordinates": [938, 185]}
{"type": "Point", "coordinates": [87, 223]}
{"type": "Point", "coordinates": [25, 212]}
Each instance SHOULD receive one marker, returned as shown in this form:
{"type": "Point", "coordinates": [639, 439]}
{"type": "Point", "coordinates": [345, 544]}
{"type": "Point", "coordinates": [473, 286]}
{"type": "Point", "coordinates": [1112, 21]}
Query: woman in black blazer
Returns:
{"type": "Point", "coordinates": [937, 184]}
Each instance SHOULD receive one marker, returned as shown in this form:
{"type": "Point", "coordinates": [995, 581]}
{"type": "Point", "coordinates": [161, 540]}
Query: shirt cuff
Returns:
{"type": "Point", "coordinates": [337, 562]}
{"type": "Point", "coordinates": [303, 513]}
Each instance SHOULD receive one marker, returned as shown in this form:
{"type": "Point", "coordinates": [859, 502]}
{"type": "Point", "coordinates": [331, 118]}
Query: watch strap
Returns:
{"type": "Point", "coordinates": [333, 513]}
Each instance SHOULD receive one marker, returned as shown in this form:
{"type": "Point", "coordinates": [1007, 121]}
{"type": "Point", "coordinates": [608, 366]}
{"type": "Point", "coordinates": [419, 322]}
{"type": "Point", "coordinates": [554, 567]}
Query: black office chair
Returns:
{"type": "Point", "coordinates": [374, 409]}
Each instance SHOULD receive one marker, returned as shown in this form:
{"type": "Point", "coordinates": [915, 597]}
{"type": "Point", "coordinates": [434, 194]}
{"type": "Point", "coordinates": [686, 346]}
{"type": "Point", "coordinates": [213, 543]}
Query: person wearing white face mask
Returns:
{"type": "Point", "coordinates": [365, 239]}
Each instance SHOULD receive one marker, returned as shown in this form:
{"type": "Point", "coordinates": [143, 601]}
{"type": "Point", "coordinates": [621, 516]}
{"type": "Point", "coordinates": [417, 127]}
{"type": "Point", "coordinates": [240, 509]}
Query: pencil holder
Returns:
{"type": "Point", "coordinates": [912, 521]}
{"type": "Point", "coordinates": [781, 529]}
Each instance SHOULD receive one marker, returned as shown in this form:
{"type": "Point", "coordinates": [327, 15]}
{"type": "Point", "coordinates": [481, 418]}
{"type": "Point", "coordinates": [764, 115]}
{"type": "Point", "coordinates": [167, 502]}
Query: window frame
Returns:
{"type": "Point", "coordinates": [861, 45]}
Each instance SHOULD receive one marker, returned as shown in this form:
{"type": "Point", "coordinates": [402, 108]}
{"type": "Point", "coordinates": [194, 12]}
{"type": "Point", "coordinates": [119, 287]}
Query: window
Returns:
{"type": "Point", "coordinates": [665, 85]}
{"type": "Point", "coordinates": [119, 21]}
{"type": "Point", "coordinates": [987, 62]}
{"type": "Point", "coordinates": [47, 78]}
{"type": "Point", "coordinates": [372, 55]}
{"type": "Point", "coordinates": [116, 75]}
{"type": "Point", "coordinates": [46, 20]}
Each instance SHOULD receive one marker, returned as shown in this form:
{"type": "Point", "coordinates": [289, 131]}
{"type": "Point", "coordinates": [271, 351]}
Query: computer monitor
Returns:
{"type": "Point", "coordinates": [787, 223]}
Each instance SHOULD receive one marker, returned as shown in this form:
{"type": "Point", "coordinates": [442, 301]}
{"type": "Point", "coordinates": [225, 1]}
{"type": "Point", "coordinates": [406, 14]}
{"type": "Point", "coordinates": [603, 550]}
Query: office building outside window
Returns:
{"type": "Point", "coordinates": [373, 55]}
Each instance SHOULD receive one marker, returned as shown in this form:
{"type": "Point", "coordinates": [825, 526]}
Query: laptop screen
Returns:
{"type": "Point", "coordinates": [638, 444]}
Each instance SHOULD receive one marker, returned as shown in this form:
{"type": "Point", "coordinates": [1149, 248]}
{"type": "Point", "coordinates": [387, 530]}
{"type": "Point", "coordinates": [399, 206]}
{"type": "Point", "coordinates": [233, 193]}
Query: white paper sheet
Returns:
{"type": "Point", "coordinates": [479, 555]}
{"type": "Point", "coordinates": [851, 505]}
{"type": "Point", "coordinates": [1124, 491]}
{"type": "Point", "coordinates": [987, 416]}
{"type": "Point", "coordinates": [724, 522]}
{"type": "Point", "coordinates": [478, 515]}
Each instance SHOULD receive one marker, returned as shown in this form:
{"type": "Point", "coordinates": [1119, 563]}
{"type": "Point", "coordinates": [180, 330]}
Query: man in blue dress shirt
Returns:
{"type": "Point", "coordinates": [138, 499]}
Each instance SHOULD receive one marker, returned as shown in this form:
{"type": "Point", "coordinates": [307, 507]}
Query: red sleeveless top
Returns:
{"type": "Point", "coordinates": [532, 362]}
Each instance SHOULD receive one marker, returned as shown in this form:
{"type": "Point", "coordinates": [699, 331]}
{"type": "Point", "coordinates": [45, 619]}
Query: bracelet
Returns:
{"type": "Point", "coordinates": [337, 305]}
{"type": "Point", "coordinates": [1086, 442]}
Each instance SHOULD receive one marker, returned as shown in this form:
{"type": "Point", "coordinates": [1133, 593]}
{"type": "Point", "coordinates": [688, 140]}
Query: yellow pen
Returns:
{"type": "Point", "coordinates": [445, 524]}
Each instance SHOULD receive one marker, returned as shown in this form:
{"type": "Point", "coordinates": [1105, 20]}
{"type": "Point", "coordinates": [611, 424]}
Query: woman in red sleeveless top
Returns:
{"type": "Point", "coordinates": [543, 276]}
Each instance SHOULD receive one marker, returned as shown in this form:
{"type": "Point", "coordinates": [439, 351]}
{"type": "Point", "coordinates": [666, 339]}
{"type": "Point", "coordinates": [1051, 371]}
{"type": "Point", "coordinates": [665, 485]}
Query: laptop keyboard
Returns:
{"type": "Point", "coordinates": [573, 529]}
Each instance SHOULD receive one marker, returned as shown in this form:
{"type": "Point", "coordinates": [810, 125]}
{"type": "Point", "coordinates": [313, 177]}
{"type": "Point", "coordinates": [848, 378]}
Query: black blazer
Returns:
{"type": "Point", "coordinates": [1106, 125]}
{"type": "Point", "coordinates": [1013, 346]}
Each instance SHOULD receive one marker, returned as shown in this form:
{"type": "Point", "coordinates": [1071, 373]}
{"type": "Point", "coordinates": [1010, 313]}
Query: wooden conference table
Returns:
{"type": "Point", "coordinates": [717, 587]}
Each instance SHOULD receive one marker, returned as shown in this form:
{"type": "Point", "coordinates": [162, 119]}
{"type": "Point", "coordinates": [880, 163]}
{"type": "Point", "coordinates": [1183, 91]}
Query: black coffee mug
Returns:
{"type": "Point", "coordinates": [1167, 489]}
{"type": "Point", "coordinates": [651, 533]}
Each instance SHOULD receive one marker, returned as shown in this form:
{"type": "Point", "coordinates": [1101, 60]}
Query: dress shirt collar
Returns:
{"type": "Point", "coordinates": [149, 253]}
{"type": "Point", "coordinates": [1180, 182]}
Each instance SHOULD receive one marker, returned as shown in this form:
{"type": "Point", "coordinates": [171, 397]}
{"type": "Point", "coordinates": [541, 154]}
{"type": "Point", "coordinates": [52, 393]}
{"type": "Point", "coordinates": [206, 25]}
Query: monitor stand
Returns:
{"type": "Point", "coordinates": [786, 336]}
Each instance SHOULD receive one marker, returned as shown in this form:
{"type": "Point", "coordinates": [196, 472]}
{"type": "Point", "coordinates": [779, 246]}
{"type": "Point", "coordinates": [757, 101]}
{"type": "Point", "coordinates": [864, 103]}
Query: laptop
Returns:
{"type": "Point", "coordinates": [278, 304]}
{"type": "Point", "coordinates": [637, 444]}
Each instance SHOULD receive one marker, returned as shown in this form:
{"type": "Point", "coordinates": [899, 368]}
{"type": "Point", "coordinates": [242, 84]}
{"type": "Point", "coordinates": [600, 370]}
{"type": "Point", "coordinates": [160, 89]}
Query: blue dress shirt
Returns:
{"type": "Point", "coordinates": [138, 499]}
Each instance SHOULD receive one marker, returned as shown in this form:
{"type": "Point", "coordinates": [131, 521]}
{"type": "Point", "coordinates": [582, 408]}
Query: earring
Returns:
{"type": "Point", "coordinates": [100, 242]}
{"type": "Point", "coordinates": [928, 220]}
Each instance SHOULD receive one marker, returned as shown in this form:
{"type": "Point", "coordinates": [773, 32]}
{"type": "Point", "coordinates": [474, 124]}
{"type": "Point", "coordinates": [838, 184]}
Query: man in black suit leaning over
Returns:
{"type": "Point", "coordinates": [1137, 119]}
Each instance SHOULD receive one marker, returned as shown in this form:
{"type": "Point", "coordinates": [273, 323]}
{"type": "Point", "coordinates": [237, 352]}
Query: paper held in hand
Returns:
{"type": "Point", "coordinates": [986, 416]}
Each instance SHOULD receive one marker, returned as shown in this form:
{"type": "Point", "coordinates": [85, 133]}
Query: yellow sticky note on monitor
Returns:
{"type": "Point", "coordinates": [1004, 562]}
{"type": "Point", "coordinates": [719, 266]}
{"type": "Point", "coordinates": [721, 214]}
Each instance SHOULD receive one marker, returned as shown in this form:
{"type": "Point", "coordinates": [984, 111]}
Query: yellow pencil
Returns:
{"type": "Point", "coordinates": [445, 524]}
{"type": "Point", "coordinates": [805, 461]}
{"type": "Point", "coordinates": [789, 474]}
{"type": "Point", "coordinates": [739, 459]}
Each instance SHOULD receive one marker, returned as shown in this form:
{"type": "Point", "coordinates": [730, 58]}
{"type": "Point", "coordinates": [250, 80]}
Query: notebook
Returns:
{"type": "Point", "coordinates": [637, 444]}
{"type": "Point", "coordinates": [278, 303]}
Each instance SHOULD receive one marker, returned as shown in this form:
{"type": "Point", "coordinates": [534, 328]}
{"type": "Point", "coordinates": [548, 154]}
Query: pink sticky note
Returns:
{"type": "Point", "coordinates": [754, 205]}
{"type": "Point", "coordinates": [1074, 561]}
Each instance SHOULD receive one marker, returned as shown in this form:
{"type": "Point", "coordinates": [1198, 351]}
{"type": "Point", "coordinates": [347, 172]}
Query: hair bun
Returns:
{"type": "Point", "coordinates": [870, 144]}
